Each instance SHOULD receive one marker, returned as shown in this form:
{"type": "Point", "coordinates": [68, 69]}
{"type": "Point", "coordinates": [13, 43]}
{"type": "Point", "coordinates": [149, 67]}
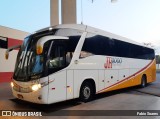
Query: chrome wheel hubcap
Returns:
{"type": "Point", "coordinates": [87, 92]}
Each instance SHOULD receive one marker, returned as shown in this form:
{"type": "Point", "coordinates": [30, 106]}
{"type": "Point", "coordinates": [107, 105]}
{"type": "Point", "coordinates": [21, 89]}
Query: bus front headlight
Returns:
{"type": "Point", "coordinates": [36, 87]}
{"type": "Point", "coordinates": [12, 84]}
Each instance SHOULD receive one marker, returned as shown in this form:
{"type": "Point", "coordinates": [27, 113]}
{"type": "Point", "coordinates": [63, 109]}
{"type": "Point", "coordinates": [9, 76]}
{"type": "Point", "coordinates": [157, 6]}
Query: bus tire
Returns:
{"type": "Point", "coordinates": [143, 81]}
{"type": "Point", "coordinates": [86, 92]}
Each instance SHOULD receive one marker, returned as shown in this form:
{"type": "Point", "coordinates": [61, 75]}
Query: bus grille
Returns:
{"type": "Point", "coordinates": [21, 89]}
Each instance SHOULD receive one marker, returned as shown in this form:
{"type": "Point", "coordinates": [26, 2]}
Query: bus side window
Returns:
{"type": "Point", "coordinates": [84, 54]}
{"type": "Point", "coordinates": [88, 47]}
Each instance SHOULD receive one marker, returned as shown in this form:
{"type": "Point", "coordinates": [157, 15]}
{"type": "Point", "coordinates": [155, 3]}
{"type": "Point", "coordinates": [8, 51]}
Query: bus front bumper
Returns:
{"type": "Point", "coordinates": [39, 96]}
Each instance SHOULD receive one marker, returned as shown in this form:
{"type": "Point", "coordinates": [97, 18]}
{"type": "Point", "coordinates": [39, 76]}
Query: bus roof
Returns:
{"type": "Point", "coordinates": [92, 30]}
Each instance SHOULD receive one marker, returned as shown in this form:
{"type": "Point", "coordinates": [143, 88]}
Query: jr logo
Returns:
{"type": "Point", "coordinates": [110, 61]}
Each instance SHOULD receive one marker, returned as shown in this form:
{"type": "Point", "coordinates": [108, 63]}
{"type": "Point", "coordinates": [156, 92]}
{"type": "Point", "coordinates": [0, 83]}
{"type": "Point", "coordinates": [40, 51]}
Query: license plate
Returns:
{"type": "Point", "coordinates": [20, 96]}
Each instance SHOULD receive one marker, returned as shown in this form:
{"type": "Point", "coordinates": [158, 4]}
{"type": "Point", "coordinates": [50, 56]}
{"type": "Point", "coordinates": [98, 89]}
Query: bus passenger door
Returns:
{"type": "Point", "coordinates": [57, 72]}
{"type": "Point", "coordinates": [57, 87]}
{"type": "Point", "coordinates": [70, 84]}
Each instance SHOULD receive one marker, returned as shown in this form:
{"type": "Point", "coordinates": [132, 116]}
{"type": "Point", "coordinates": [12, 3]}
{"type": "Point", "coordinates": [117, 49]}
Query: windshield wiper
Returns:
{"type": "Point", "coordinates": [16, 68]}
{"type": "Point", "coordinates": [35, 76]}
{"type": "Point", "coordinates": [28, 68]}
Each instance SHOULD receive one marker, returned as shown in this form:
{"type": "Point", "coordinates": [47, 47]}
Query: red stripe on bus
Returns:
{"type": "Point", "coordinates": [5, 76]}
{"type": "Point", "coordinates": [14, 42]}
{"type": "Point", "coordinates": [127, 77]}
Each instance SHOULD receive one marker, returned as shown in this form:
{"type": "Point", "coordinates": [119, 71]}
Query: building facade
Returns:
{"type": "Point", "coordinates": [9, 37]}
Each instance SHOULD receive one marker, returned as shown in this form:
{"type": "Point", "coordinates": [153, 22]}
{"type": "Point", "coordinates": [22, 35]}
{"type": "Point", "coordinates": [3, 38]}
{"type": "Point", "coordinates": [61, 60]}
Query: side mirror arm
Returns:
{"type": "Point", "coordinates": [10, 49]}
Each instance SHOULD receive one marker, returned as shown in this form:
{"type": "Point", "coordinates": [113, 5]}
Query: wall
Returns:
{"type": "Point", "coordinates": [9, 37]}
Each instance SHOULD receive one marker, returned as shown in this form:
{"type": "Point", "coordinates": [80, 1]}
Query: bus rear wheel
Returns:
{"type": "Point", "coordinates": [86, 92]}
{"type": "Point", "coordinates": [143, 81]}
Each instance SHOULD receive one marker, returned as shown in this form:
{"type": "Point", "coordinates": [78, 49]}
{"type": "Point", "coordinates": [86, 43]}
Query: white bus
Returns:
{"type": "Point", "coordinates": [76, 61]}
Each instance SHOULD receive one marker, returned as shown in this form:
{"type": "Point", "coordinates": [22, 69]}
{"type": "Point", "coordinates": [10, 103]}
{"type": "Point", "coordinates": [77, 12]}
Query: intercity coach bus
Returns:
{"type": "Point", "coordinates": [76, 61]}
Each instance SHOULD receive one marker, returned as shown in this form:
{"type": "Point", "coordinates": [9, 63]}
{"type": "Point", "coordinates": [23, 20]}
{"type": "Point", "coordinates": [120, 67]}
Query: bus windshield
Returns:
{"type": "Point", "coordinates": [29, 65]}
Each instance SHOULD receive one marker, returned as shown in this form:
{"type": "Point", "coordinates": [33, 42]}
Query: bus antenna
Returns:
{"type": "Point", "coordinates": [81, 11]}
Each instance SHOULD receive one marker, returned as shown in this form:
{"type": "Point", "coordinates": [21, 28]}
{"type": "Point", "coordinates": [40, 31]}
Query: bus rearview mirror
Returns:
{"type": "Point", "coordinates": [6, 55]}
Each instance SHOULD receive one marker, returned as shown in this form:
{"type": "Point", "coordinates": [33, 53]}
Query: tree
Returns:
{"type": "Point", "coordinates": [149, 44]}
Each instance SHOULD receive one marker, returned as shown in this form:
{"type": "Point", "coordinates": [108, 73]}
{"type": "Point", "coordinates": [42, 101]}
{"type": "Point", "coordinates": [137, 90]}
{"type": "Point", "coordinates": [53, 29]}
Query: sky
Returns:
{"type": "Point", "coordinates": [138, 20]}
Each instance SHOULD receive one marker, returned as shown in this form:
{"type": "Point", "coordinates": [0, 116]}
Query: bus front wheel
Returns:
{"type": "Point", "coordinates": [86, 92]}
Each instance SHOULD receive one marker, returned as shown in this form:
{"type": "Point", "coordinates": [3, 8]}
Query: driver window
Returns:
{"type": "Point", "coordinates": [57, 57]}
{"type": "Point", "coordinates": [60, 56]}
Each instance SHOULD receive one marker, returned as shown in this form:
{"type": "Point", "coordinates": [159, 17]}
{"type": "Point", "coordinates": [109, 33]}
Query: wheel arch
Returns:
{"type": "Point", "coordinates": [145, 76]}
{"type": "Point", "coordinates": [143, 81]}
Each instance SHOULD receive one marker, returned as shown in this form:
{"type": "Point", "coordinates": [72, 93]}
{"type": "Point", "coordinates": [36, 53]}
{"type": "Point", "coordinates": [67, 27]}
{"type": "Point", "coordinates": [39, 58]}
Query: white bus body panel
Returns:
{"type": "Point", "coordinates": [57, 87]}
{"type": "Point", "coordinates": [101, 80]}
{"type": "Point", "coordinates": [111, 77]}
{"type": "Point", "coordinates": [70, 85]}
